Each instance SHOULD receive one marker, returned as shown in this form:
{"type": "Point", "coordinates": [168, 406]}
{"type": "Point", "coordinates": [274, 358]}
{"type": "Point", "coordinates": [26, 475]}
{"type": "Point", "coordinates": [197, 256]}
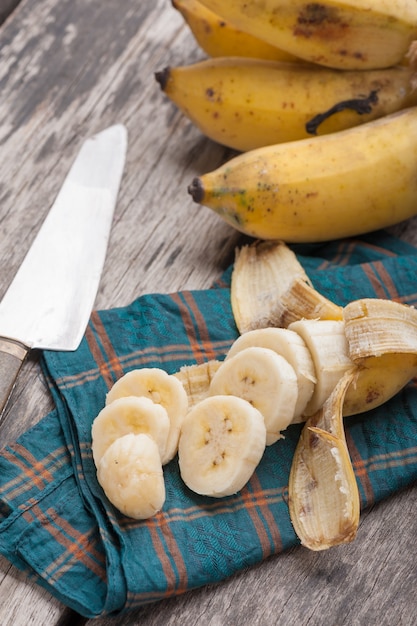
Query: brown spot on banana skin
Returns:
{"type": "Point", "coordinates": [319, 20]}
{"type": "Point", "coordinates": [360, 105]}
{"type": "Point", "coordinates": [212, 95]}
{"type": "Point", "coordinates": [372, 396]}
{"type": "Point", "coordinates": [314, 440]}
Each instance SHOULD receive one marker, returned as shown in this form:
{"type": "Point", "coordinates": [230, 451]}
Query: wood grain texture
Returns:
{"type": "Point", "coordinates": [69, 68]}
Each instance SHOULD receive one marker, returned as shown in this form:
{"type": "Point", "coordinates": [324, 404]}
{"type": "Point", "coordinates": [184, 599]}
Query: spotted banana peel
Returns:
{"type": "Point", "coordinates": [353, 34]}
{"type": "Point", "coordinates": [319, 189]}
{"type": "Point", "coordinates": [218, 38]}
{"type": "Point", "coordinates": [246, 103]}
{"type": "Point", "coordinates": [323, 499]}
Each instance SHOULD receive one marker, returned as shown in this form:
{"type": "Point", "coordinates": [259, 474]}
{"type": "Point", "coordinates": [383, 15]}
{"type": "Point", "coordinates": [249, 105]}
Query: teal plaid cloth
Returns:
{"type": "Point", "coordinates": [55, 523]}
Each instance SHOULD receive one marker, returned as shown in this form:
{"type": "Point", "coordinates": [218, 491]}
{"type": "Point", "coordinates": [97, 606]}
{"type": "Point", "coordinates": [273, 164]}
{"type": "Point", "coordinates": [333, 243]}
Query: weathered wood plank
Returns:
{"type": "Point", "coordinates": [22, 603]}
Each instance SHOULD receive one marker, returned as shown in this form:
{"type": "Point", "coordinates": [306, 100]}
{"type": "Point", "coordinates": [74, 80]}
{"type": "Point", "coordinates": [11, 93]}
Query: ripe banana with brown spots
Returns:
{"type": "Point", "coordinates": [324, 188]}
{"type": "Point", "coordinates": [247, 103]}
{"type": "Point", "coordinates": [353, 34]}
{"type": "Point", "coordinates": [217, 37]}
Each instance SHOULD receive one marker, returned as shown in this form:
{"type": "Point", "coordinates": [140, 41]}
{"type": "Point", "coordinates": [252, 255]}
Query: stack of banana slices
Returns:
{"type": "Point", "coordinates": [319, 98]}
{"type": "Point", "coordinates": [299, 358]}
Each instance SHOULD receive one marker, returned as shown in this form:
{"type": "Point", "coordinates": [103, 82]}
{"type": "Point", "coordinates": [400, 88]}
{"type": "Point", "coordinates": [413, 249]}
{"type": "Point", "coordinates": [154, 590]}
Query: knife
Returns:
{"type": "Point", "coordinates": [49, 302]}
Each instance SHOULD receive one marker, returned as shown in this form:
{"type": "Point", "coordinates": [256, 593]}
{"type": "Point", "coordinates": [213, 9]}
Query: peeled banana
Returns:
{"type": "Point", "coordinates": [328, 363]}
{"type": "Point", "coordinates": [377, 338]}
{"type": "Point", "coordinates": [378, 348]}
{"type": "Point", "coordinates": [217, 37]}
{"type": "Point", "coordinates": [353, 34]}
{"type": "Point", "coordinates": [323, 188]}
{"type": "Point", "coordinates": [250, 103]}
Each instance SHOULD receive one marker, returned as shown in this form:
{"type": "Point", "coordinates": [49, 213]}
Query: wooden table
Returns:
{"type": "Point", "coordinates": [69, 68]}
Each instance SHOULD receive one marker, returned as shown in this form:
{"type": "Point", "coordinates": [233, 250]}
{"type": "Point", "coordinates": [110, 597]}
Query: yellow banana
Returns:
{"type": "Point", "coordinates": [353, 34]}
{"type": "Point", "coordinates": [323, 188]}
{"type": "Point", "coordinates": [217, 37]}
{"type": "Point", "coordinates": [249, 103]}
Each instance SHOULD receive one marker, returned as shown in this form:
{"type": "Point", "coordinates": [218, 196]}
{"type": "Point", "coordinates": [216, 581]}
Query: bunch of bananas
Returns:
{"type": "Point", "coordinates": [320, 98]}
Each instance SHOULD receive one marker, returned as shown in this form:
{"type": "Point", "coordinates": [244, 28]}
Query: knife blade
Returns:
{"type": "Point", "coordinates": [49, 302]}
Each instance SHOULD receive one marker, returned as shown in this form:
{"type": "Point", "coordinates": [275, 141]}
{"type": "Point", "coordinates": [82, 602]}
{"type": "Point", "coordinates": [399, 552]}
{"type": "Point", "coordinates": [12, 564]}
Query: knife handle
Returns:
{"type": "Point", "coordinates": [12, 356]}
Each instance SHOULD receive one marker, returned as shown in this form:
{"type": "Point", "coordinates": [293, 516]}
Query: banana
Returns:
{"type": "Point", "coordinates": [337, 185]}
{"type": "Point", "coordinates": [353, 34]}
{"type": "Point", "coordinates": [129, 414]}
{"type": "Point", "coordinates": [248, 103]}
{"type": "Point", "coordinates": [328, 346]}
{"type": "Point", "coordinates": [323, 501]}
{"type": "Point", "coordinates": [162, 388]}
{"type": "Point", "coordinates": [130, 473]}
{"type": "Point", "coordinates": [269, 287]}
{"type": "Point", "coordinates": [217, 37]}
{"type": "Point", "coordinates": [221, 443]}
{"type": "Point", "coordinates": [266, 380]}
{"type": "Point", "coordinates": [293, 349]}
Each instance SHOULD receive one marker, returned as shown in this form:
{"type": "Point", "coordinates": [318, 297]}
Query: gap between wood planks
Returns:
{"type": "Point", "coordinates": [7, 6]}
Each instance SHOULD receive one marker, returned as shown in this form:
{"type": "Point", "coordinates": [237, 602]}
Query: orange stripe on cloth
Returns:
{"type": "Point", "coordinates": [79, 547]}
{"type": "Point", "coordinates": [344, 251]}
{"type": "Point", "coordinates": [380, 280]}
{"type": "Point", "coordinates": [109, 367]}
{"type": "Point", "coordinates": [361, 472]}
{"type": "Point", "coordinates": [219, 506]}
{"type": "Point", "coordinates": [169, 554]}
{"type": "Point", "coordinates": [195, 326]}
{"type": "Point", "coordinates": [262, 518]}
{"type": "Point", "coordinates": [33, 470]}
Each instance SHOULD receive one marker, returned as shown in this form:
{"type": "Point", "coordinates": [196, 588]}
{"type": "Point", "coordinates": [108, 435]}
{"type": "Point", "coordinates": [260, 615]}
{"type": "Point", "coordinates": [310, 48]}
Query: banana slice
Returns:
{"type": "Point", "coordinates": [222, 441]}
{"type": "Point", "coordinates": [130, 473]}
{"type": "Point", "coordinates": [292, 347]}
{"type": "Point", "coordinates": [266, 380]}
{"type": "Point", "coordinates": [130, 414]}
{"type": "Point", "coordinates": [162, 388]}
{"type": "Point", "coordinates": [327, 343]}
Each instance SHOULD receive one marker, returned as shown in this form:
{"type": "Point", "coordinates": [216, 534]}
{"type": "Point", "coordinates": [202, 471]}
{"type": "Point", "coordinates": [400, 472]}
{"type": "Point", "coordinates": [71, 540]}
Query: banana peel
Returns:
{"type": "Point", "coordinates": [269, 287]}
{"type": "Point", "coordinates": [324, 502]}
